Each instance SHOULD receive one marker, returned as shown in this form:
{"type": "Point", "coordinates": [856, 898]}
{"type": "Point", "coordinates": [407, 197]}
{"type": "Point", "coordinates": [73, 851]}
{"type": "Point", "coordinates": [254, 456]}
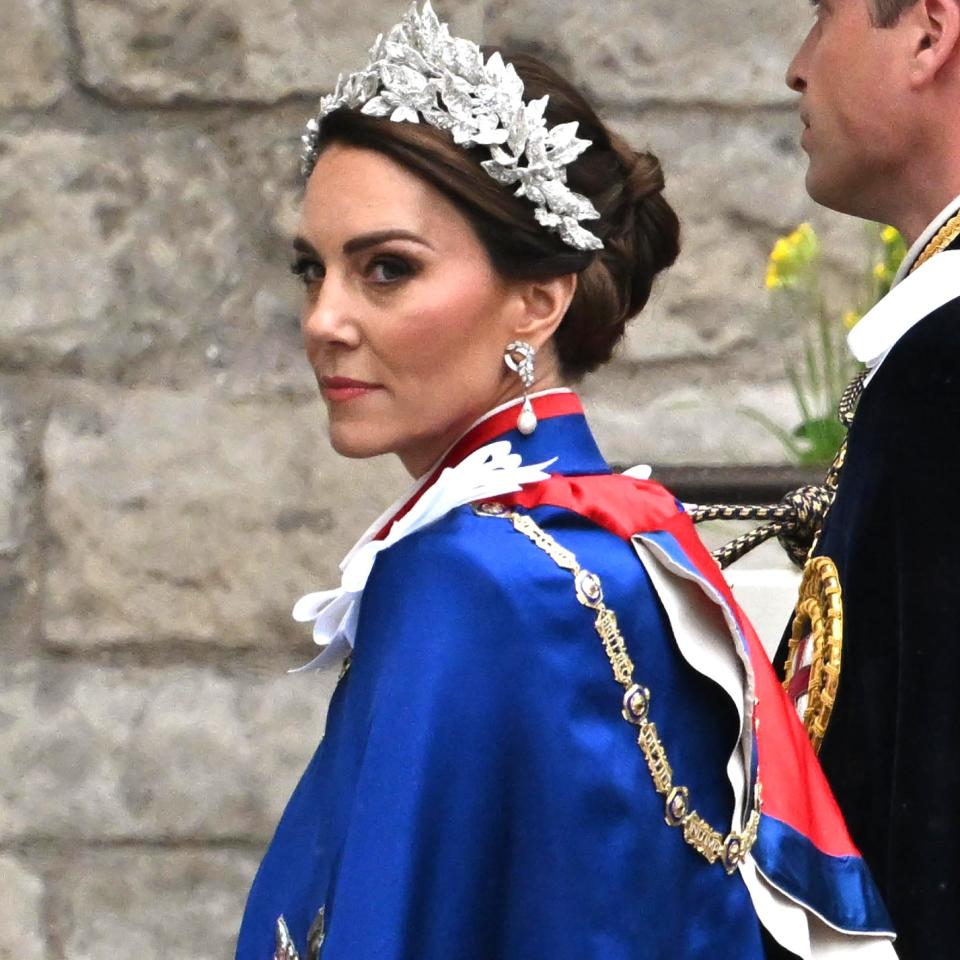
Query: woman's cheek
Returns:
{"type": "Point", "coordinates": [428, 337]}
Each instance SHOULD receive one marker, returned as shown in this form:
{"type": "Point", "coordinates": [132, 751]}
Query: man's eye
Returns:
{"type": "Point", "coordinates": [389, 270]}
{"type": "Point", "coordinates": [309, 271]}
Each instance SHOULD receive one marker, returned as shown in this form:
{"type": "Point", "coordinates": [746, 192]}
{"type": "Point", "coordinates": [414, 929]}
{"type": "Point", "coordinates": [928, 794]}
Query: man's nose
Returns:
{"type": "Point", "coordinates": [796, 73]}
{"type": "Point", "coordinates": [795, 80]}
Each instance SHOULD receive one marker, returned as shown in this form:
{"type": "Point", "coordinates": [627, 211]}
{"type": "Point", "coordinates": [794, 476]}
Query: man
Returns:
{"type": "Point", "coordinates": [879, 85]}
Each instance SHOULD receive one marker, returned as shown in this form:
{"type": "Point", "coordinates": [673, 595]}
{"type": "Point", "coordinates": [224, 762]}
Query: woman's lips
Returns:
{"type": "Point", "coordinates": [339, 389]}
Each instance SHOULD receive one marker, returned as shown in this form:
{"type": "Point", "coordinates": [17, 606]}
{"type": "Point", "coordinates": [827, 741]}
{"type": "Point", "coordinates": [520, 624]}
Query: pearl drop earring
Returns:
{"type": "Point", "coordinates": [519, 357]}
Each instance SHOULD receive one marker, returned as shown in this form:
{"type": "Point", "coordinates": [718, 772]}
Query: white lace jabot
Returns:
{"type": "Point", "coordinates": [491, 471]}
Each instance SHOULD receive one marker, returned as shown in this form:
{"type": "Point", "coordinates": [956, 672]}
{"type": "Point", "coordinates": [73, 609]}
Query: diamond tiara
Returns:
{"type": "Point", "coordinates": [418, 71]}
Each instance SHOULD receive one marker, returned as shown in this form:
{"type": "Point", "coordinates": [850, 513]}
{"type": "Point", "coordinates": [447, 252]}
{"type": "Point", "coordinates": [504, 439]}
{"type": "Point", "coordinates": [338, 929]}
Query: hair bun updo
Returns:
{"type": "Point", "coordinates": [641, 235]}
{"type": "Point", "coordinates": [639, 229]}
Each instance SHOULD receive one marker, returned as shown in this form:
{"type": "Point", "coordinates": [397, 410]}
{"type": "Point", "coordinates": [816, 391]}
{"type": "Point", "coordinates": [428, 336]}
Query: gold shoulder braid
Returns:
{"type": "Point", "coordinates": [730, 850]}
{"type": "Point", "coordinates": [816, 642]}
{"type": "Point", "coordinates": [816, 645]}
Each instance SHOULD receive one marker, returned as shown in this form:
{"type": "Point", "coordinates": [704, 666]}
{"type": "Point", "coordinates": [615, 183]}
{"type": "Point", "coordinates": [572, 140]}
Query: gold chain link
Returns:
{"type": "Point", "coordinates": [730, 850]}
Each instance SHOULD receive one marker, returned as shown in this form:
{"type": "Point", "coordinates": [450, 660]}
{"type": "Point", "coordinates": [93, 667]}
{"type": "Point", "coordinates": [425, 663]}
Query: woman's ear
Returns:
{"type": "Point", "coordinates": [540, 305]}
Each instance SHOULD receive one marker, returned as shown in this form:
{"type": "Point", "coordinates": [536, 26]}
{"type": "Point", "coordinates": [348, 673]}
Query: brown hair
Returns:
{"type": "Point", "coordinates": [886, 13]}
{"type": "Point", "coordinates": [639, 229]}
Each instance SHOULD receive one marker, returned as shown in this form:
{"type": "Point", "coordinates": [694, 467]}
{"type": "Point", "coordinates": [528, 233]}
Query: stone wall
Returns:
{"type": "Point", "coordinates": [165, 486]}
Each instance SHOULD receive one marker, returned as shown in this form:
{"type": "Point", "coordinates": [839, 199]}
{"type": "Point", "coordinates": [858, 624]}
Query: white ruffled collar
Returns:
{"type": "Point", "coordinates": [492, 471]}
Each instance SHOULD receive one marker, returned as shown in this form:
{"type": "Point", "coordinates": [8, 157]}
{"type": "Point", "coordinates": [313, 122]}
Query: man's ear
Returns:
{"type": "Point", "coordinates": [935, 26]}
{"type": "Point", "coordinates": [539, 307]}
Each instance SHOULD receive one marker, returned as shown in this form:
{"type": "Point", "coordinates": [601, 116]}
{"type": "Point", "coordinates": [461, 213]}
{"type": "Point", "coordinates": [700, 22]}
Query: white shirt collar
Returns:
{"type": "Point", "coordinates": [917, 296]}
{"type": "Point", "coordinates": [913, 296]}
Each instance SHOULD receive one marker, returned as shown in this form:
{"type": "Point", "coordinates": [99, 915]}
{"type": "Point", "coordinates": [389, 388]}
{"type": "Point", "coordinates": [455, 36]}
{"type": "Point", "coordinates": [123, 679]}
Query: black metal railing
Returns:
{"type": "Point", "coordinates": [735, 485]}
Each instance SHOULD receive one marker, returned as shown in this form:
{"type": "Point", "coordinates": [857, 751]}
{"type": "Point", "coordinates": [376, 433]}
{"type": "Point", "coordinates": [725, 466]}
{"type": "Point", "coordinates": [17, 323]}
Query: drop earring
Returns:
{"type": "Point", "coordinates": [519, 357]}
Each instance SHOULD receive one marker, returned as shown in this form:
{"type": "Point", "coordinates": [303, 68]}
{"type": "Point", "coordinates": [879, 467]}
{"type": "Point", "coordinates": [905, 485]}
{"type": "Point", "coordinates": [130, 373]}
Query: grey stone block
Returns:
{"type": "Point", "coordinates": [19, 570]}
{"type": "Point", "coordinates": [174, 270]}
{"type": "Point", "coordinates": [33, 52]}
{"type": "Point", "coordinates": [150, 269]}
{"type": "Point", "coordinates": [661, 51]}
{"type": "Point", "coordinates": [183, 516]}
{"type": "Point", "coordinates": [153, 904]}
{"type": "Point", "coordinates": [261, 352]}
{"type": "Point", "coordinates": [14, 496]}
{"type": "Point", "coordinates": [186, 753]}
{"type": "Point", "coordinates": [662, 420]}
{"type": "Point", "coordinates": [159, 53]}
{"type": "Point", "coordinates": [21, 912]}
{"type": "Point", "coordinates": [713, 341]}
{"type": "Point", "coordinates": [737, 184]}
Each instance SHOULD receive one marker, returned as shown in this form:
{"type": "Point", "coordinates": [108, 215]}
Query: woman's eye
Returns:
{"type": "Point", "coordinates": [389, 270]}
{"type": "Point", "coordinates": [309, 271]}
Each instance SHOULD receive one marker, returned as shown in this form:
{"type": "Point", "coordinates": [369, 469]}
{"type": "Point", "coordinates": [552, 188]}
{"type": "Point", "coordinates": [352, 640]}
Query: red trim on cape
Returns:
{"type": "Point", "coordinates": [617, 503]}
{"type": "Point", "coordinates": [795, 790]}
{"type": "Point", "coordinates": [546, 407]}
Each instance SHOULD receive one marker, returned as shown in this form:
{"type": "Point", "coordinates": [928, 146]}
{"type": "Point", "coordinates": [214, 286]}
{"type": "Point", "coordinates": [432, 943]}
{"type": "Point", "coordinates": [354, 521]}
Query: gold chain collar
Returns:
{"type": "Point", "coordinates": [731, 850]}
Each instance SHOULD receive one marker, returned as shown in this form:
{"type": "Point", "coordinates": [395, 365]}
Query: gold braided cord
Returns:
{"type": "Point", "coordinates": [730, 850]}
{"type": "Point", "coordinates": [794, 520]}
{"type": "Point", "coordinates": [818, 621]}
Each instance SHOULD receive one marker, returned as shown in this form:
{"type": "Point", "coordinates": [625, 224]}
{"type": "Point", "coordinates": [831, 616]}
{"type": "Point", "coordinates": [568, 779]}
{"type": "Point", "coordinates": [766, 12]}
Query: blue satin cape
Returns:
{"type": "Point", "coordinates": [477, 795]}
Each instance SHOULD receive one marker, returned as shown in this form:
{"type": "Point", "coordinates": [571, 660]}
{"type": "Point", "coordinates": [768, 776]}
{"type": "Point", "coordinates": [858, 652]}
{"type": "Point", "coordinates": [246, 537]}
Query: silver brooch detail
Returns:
{"type": "Point", "coordinates": [286, 948]}
{"type": "Point", "coordinates": [418, 71]}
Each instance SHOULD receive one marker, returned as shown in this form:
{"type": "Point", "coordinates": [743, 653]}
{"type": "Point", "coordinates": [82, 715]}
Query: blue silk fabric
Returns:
{"type": "Point", "coordinates": [477, 794]}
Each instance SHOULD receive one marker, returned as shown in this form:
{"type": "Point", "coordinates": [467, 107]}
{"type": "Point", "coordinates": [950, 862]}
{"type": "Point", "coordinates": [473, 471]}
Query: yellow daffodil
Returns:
{"type": "Point", "coordinates": [824, 364]}
{"type": "Point", "coordinates": [781, 251]}
{"type": "Point", "coordinates": [792, 257]}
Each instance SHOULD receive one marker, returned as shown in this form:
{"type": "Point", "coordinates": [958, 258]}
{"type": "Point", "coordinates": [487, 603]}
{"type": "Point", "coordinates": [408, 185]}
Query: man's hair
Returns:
{"type": "Point", "coordinates": [887, 12]}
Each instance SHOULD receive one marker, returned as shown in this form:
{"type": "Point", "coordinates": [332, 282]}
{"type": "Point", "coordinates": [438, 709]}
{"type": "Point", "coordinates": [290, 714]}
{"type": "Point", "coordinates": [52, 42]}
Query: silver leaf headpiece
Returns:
{"type": "Point", "coordinates": [418, 71]}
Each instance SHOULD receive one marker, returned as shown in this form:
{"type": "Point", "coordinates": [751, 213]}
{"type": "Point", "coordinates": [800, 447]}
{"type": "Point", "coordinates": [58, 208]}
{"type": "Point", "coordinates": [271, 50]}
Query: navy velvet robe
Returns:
{"type": "Point", "coordinates": [892, 746]}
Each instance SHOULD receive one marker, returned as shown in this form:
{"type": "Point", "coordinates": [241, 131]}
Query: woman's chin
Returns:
{"type": "Point", "coordinates": [355, 443]}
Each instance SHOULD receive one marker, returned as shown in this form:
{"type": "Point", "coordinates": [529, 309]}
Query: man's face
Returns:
{"type": "Point", "coordinates": [854, 103]}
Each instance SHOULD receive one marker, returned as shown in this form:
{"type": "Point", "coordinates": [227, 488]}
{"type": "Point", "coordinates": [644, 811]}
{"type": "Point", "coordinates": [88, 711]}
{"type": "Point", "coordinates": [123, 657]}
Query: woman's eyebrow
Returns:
{"type": "Point", "coordinates": [363, 242]}
{"type": "Point", "coordinates": [304, 246]}
{"type": "Point", "coordinates": [367, 240]}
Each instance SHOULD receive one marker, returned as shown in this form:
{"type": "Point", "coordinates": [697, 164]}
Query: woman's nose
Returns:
{"type": "Point", "coordinates": [330, 315]}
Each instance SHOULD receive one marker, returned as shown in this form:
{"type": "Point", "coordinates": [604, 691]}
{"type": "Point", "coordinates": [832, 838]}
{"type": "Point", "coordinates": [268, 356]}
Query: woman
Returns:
{"type": "Point", "coordinates": [468, 248]}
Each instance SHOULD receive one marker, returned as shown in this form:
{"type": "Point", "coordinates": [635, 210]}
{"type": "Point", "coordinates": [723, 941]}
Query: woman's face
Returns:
{"type": "Point", "coordinates": [404, 318]}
